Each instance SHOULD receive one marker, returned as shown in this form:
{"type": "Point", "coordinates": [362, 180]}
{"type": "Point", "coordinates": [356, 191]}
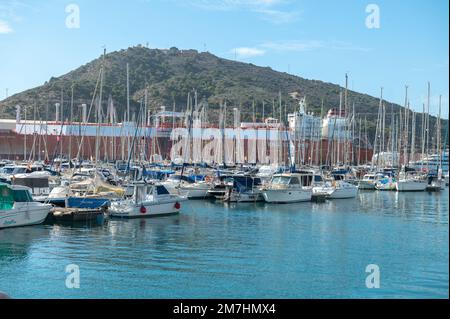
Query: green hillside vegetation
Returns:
{"type": "Point", "coordinates": [170, 74]}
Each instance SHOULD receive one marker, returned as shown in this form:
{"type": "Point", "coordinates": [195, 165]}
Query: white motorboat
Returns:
{"type": "Point", "coordinates": [148, 200]}
{"type": "Point", "coordinates": [37, 181]}
{"type": "Point", "coordinates": [288, 188]}
{"type": "Point", "coordinates": [17, 207]}
{"type": "Point", "coordinates": [194, 190]}
{"type": "Point", "coordinates": [368, 182]}
{"type": "Point", "coordinates": [184, 186]}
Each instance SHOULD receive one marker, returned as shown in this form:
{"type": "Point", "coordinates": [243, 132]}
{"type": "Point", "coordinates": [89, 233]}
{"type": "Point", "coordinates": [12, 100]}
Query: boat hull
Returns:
{"type": "Point", "coordinates": [24, 215]}
{"type": "Point", "coordinates": [342, 193]}
{"type": "Point", "coordinates": [236, 197]}
{"type": "Point", "coordinates": [80, 202]}
{"type": "Point", "coordinates": [410, 186]}
{"type": "Point", "coordinates": [152, 208]}
{"type": "Point", "coordinates": [287, 195]}
{"type": "Point", "coordinates": [366, 185]}
{"type": "Point", "coordinates": [191, 191]}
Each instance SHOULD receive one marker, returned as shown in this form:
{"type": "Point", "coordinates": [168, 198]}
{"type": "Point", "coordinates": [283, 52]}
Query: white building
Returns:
{"type": "Point", "coordinates": [336, 126]}
{"type": "Point", "coordinates": [305, 125]}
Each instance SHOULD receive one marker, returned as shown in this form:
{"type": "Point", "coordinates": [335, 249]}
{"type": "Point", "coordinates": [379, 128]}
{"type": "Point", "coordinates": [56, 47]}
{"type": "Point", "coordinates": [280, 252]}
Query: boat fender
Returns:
{"type": "Point", "coordinates": [177, 205]}
{"type": "Point", "coordinates": [143, 210]}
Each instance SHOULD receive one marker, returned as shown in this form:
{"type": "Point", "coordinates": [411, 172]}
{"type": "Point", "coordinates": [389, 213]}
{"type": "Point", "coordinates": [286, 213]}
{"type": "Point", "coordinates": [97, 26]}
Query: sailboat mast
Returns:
{"type": "Point", "coordinates": [438, 137]}
{"type": "Point", "coordinates": [405, 134]}
{"type": "Point", "coordinates": [70, 121]}
{"type": "Point", "coordinates": [339, 130]}
{"type": "Point", "coordinates": [347, 116]}
{"type": "Point", "coordinates": [428, 122]}
{"type": "Point", "coordinates": [128, 108]}
{"type": "Point", "coordinates": [62, 125]}
{"type": "Point", "coordinates": [99, 109]}
{"type": "Point", "coordinates": [413, 136]}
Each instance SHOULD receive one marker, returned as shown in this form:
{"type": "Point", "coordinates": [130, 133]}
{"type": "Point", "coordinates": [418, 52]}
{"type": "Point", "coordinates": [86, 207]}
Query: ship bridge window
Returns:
{"type": "Point", "coordinates": [294, 181]}
{"type": "Point", "coordinates": [281, 180]}
{"type": "Point", "coordinates": [318, 178]}
{"type": "Point", "coordinates": [307, 180]}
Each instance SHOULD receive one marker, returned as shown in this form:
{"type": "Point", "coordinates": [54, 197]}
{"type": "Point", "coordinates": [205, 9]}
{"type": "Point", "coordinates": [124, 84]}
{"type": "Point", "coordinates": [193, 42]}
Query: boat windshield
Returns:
{"type": "Point", "coordinates": [7, 170]}
{"type": "Point", "coordinates": [281, 180]}
{"type": "Point", "coordinates": [6, 197]}
{"type": "Point", "coordinates": [22, 196]}
{"type": "Point", "coordinates": [161, 190]}
{"type": "Point", "coordinates": [20, 170]}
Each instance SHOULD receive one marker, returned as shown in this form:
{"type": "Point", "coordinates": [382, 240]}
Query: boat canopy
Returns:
{"type": "Point", "coordinates": [6, 197]}
{"type": "Point", "coordinates": [157, 174]}
{"type": "Point", "coordinates": [9, 195]}
{"type": "Point", "coordinates": [243, 183]}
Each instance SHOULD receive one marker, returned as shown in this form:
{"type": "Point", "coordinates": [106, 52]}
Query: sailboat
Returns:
{"type": "Point", "coordinates": [410, 181]}
{"type": "Point", "coordinates": [368, 182]}
{"type": "Point", "coordinates": [337, 189]}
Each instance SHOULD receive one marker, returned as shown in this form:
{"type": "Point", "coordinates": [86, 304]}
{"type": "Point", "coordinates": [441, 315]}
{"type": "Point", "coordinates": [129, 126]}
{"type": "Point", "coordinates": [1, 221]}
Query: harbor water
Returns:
{"type": "Point", "coordinates": [248, 250]}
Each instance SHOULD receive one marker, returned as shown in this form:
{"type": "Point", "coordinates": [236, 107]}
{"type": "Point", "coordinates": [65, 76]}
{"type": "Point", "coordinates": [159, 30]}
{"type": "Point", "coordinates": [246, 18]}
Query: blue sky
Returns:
{"type": "Point", "coordinates": [320, 40]}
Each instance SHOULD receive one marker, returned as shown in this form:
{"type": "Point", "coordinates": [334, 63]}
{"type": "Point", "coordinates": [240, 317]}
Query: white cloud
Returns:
{"type": "Point", "coordinates": [269, 10]}
{"type": "Point", "coordinates": [298, 46]}
{"type": "Point", "coordinates": [234, 4]}
{"type": "Point", "coordinates": [294, 46]}
{"type": "Point", "coordinates": [5, 28]}
{"type": "Point", "coordinates": [246, 52]}
{"type": "Point", "coordinates": [309, 45]}
{"type": "Point", "coordinates": [277, 16]}
{"type": "Point", "coordinates": [12, 9]}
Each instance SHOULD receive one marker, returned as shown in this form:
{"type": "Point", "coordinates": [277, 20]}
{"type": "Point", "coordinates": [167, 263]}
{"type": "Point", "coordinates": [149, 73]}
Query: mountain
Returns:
{"type": "Point", "coordinates": [170, 74]}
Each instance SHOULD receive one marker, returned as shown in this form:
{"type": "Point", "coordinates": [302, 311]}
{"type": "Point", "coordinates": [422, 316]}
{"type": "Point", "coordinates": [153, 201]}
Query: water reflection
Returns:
{"type": "Point", "coordinates": [250, 250]}
{"type": "Point", "coordinates": [16, 242]}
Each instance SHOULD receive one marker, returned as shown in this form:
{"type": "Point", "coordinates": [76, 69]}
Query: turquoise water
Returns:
{"type": "Point", "coordinates": [259, 250]}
